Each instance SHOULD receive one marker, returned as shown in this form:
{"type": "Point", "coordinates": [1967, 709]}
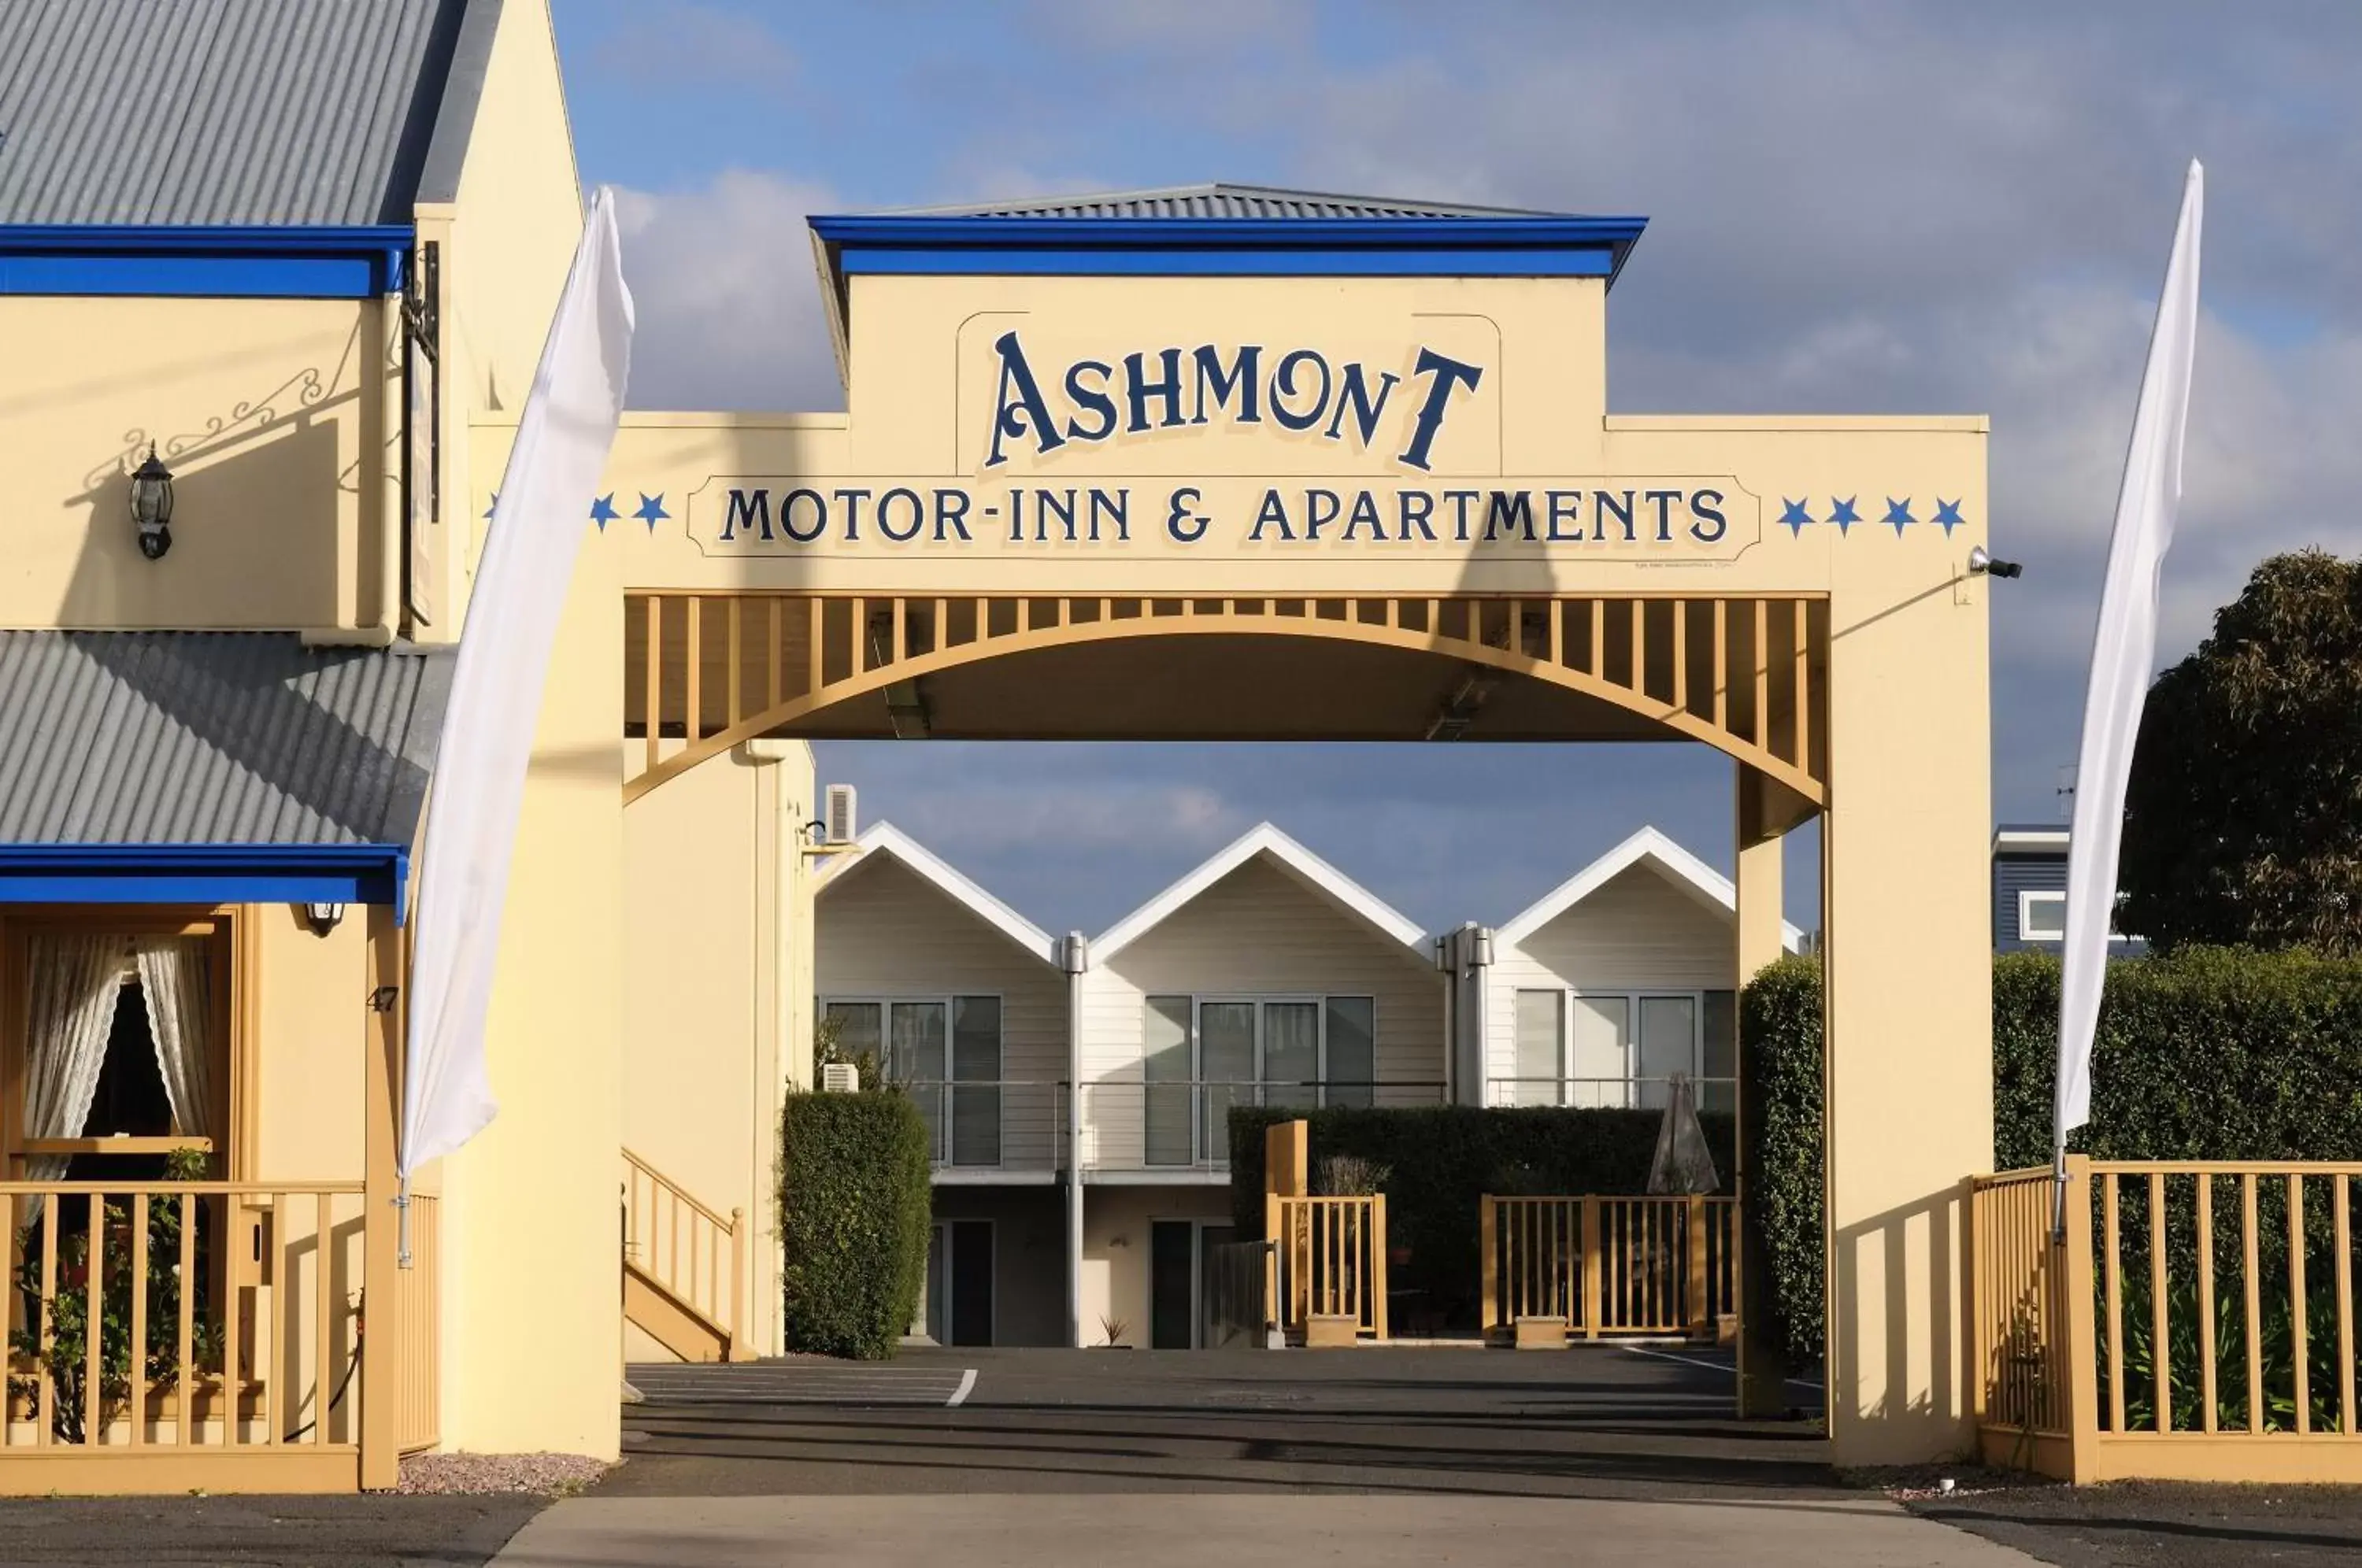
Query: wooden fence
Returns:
{"type": "Point", "coordinates": [1329, 1267]}
{"type": "Point", "coordinates": [1632, 1267]}
{"type": "Point", "coordinates": [2242, 1272]}
{"type": "Point", "coordinates": [697, 1255]}
{"type": "Point", "coordinates": [230, 1335]}
{"type": "Point", "coordinates": [418, 1391]}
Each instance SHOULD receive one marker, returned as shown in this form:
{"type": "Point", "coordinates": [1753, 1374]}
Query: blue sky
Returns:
{"type": "Point", "coordinates": [1861, 208]}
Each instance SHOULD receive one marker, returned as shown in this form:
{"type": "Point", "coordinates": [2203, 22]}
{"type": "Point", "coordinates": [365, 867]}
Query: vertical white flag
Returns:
{"type": "Point", "coordinates": [477, 791]}
{"type": "Point", "coordinates": [2122, 655]}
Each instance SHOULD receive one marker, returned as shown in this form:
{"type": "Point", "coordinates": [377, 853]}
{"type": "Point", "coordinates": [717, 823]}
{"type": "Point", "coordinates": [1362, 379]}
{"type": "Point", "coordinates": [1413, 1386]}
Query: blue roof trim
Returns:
{"type": "Point", "coordinates": [1443, 247]}
{"type": "Point", "coordinates": [206, 874]}
{"type": "Point", "coordinates": [224, 262]}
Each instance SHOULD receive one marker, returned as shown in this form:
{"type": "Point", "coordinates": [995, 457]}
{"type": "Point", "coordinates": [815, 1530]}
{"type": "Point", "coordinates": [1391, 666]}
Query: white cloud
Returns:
{"type": "Point", "coordinates": [729, 302]}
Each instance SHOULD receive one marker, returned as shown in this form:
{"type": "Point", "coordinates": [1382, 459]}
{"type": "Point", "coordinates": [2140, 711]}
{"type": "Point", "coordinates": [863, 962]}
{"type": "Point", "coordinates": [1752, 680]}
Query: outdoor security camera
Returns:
{"type": "Point", "coordinates": [1983, 563]}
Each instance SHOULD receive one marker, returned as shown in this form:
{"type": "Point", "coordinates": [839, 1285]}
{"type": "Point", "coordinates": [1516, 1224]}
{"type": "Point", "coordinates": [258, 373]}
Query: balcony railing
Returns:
{"type": "Point", "coordinates": [230, 1326]}
{"type": "Point", "coordinates": [998, 1125]}
{"type": "Point", "coordinates": [1183, 1125]}
{"type": "Point", "coordinates": [1608, 1094]}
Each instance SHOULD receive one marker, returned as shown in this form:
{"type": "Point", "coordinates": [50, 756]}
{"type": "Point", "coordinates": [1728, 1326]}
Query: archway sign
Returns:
{"type": "Point", "coordinates": [1246, 465]}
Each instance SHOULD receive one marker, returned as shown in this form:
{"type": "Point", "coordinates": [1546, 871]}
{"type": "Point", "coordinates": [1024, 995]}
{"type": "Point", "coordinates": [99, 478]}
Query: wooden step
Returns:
{"type": "Point", "coordinates": [672, 1322]}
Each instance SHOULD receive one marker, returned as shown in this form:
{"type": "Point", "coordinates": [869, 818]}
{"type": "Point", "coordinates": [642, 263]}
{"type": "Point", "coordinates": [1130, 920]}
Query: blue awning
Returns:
{"type": "Point", "coordinates": [206, 874]}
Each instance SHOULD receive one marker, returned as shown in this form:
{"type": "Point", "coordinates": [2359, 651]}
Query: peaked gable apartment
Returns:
{"type": "Point", "coordinates": [1265, 976]}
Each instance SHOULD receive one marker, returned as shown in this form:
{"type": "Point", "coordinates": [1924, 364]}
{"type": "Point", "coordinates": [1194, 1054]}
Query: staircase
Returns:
{"type": "Point", "coordinates": [684, 1267]}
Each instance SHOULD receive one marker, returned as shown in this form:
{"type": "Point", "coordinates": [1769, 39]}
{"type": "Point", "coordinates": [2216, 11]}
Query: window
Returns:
{"type": "Point", "coordinates": [946, 1051]}
{"type": "Point", "coordinates": [1200, 1055]}
{"type": "Point", "coordinates": [118, 1049]}
{"type": "Point", "coordinates": [1618, 1049]}
{"type": "Point", "coordinates": [1539, 1076]}
{"type": "Point", "coordinates": [2042, 915]}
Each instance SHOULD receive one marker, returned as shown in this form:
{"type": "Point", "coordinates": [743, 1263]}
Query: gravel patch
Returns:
{"type": "Point", "coordinates": [539, 1474]}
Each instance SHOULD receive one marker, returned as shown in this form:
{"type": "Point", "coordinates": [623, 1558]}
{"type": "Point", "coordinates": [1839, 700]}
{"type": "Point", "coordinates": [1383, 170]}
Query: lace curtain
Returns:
{"type": "Point", "coordinates": [176, 977]}
{"type": "Point", "coordinates": [72, 982]}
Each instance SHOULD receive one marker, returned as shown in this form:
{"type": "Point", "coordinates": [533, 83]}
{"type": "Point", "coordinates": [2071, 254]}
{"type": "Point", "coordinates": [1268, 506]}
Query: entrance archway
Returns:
{"type": "Point", "coordinates": [1131, 469]}
{"type": "Point", "coordinates": [1740, 675]}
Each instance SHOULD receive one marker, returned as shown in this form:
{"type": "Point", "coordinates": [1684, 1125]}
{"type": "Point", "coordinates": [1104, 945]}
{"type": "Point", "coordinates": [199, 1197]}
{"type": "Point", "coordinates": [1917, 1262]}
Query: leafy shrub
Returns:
{"type": "Point", "coordinates": [854, 1209]}
{"type": "Point", "coordinates": [1437, 1161]}
{"type": "Point", "coordinates": [1779, 1068]}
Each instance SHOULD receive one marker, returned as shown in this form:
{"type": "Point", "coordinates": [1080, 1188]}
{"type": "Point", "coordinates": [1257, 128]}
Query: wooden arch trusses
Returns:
{"type": "Point", "coordinates": [1744, 674]}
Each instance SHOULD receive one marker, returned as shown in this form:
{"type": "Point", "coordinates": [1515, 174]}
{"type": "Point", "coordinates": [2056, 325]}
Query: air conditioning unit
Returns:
{"type": "Point", "coordinates": [839, 1077]}
{"type": "Point", "coordinates": [840, 815]}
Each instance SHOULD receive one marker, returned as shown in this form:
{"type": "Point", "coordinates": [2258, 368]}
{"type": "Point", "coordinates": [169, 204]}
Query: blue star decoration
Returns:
{"type": "Point", "coordinates": [1842, 513]}
{"type": "Point", "coordinates": [603, 511]}
{"type": "Point", "coordinates": [1947, 512]}
{"type": "Point", "coordinates": [651, 511]}
{"type": "Point", "coordinates": [1795, 516]}
{"type": "Point", "coordinates": [1899, 514]}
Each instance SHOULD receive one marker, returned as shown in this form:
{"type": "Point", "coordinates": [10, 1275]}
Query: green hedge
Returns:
{"type": "Point", "coordinates": [1441, 1159]}
{"type": "Point", "coordinates": [854, 1209]}
{"type": "Point", "coordinates": [2203, 1054]}
{"type": "Point", "coordinates": [1779, 1063]}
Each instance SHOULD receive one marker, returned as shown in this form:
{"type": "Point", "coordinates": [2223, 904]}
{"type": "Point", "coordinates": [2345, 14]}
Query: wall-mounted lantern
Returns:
{"type": "Point", "coordinates": [323, 918]}
{"type": "Point", "coordinates": [152, 506]}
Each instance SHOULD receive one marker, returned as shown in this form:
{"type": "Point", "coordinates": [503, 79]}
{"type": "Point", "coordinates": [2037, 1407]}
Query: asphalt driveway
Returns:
{"type": "Point", "coordinates": [1594, 1422]}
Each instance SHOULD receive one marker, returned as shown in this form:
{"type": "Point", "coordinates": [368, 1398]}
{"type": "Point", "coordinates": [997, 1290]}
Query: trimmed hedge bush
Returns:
{"type": "Point", "coordinates": [1441, 1159]}
{"type": "Point", "coordinates": [853, 1211]}
{"type": "Point", "coordinates": [1780, 1062]}
{"type": "Point", "coordinates": [2203, 1053]}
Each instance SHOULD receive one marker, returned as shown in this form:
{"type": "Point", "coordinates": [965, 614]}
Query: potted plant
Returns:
{"type": "Point", "coordinates": [1114, 1327]}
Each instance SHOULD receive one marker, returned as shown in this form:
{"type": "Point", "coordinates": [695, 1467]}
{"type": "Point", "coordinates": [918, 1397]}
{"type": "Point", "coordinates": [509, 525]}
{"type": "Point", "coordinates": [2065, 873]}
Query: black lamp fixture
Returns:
{"type": "Point", "coordinates": [151, 505]}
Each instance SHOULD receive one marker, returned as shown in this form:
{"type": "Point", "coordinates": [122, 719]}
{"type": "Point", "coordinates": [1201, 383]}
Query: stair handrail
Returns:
{"type": "Point", "coordinates": [723, 1313]}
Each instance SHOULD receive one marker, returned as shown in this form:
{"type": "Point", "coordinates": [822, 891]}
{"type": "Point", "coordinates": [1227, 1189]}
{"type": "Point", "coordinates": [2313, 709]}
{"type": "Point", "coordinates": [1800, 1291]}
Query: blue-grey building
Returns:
{"type": "Point", "coordinates": [2029, 892]}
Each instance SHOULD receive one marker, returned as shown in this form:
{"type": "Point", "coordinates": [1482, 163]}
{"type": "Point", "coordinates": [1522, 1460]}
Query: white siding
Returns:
{"type": "Point", "coordinates": [882, 930]}
{"type": "Point", "coordinates": [1257, 931]}
{"type": "Point", "coordinates": [1637, 932]}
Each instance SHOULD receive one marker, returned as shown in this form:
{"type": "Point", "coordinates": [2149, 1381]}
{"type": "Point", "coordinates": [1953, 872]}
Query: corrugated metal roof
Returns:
{"type": "Point", "coordinates": [214, 737]}
{"type": "Point", "coordinates": [218, 111]}
{"type": "Point", "coordinates": [1221, 200]}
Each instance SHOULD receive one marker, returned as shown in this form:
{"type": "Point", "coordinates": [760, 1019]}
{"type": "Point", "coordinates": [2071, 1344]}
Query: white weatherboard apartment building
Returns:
{"type": "Point", "coordinates": [1265, 976]}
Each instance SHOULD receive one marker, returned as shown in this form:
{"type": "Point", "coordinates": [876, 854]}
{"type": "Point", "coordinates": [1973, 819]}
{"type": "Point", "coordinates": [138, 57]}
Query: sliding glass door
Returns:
{"type": "Point", "coordinates": [946, 1051]}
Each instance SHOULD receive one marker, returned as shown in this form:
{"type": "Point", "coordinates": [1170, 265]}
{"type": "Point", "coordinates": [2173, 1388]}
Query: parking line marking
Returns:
{"type": "Point", "coordinates": [967, 1381]}
{"type": "Point", "coordinates": [1709, 1365]}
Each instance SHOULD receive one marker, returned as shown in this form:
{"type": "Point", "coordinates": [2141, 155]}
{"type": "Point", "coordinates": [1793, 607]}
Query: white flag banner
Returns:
{"type": "Point", "coordinates": [478, 792]}
{"type": "Point", "coordinates": [2124, 654]}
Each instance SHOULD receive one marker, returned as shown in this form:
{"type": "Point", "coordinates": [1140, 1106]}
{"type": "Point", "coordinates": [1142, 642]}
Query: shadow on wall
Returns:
{"type": "Point", "coordinates": [269, 495]}
{"type": "Point", "coordinates": [1917, 1244]}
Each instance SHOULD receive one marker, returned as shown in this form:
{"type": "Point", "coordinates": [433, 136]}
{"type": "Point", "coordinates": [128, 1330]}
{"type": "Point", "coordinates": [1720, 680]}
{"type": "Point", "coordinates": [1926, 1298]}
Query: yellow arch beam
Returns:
{"type": "Point", "coordinates": [1233, 623]}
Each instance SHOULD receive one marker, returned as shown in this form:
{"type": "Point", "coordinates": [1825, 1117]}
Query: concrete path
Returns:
{"type": "Point", "coordinates": [1181, 1530]}
{"type": "Point", "coordinates": [1213, 1459]}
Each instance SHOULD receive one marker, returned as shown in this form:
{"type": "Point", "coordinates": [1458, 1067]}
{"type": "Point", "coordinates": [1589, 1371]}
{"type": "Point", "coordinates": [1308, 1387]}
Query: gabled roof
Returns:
{"type": "Point", "coordinates": [884, 838]}
{"type": "Point", "coordinates": [1213, 230]}
{"type": "Point", "coordinates": [1298, 862]}
{"type": "Point", "coordinates": [232, 113]}
{"type": "Point", "coordinates": [1649, 849]}
{"type": "Point", "coordinates": [1218, 199]}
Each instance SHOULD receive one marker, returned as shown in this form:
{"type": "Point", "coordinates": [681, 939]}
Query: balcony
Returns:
{"type": "Point", "coordinates": [1608, 1094]}
{"type": "Point", "coordinates": [1178, 1130]}
{"type": "Point", "coordinates": [993, 1133]}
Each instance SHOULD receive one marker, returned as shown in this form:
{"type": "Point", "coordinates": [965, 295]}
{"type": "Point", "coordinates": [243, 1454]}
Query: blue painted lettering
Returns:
{"type": "Point", "coordinates": [1283, 388]}
{"type": "Point", "coordinates": [1450, 375]}
{"type": "Point", "coordinates": [1241, 376]}
{"type": "Point", "coordinates": [1024, 415]}
{"type": "Point", "coordinates": [1094, 399]}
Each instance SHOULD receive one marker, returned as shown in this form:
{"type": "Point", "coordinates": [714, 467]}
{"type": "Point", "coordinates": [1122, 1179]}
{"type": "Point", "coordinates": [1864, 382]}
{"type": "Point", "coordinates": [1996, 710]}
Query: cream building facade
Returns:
{"type": "Point", "coordinates": [1264, 976]}
{"type": "Point", "coordinates": [1224, 463]}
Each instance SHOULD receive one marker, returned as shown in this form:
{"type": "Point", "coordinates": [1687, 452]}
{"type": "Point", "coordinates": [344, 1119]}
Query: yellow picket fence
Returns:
{"type": "Point", "coordinates": [1327, 1274]}
{"type": "Point", "coordinates": [1625, 1267]}
{"type": "Point", "coordinates": [2242, 1271]}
